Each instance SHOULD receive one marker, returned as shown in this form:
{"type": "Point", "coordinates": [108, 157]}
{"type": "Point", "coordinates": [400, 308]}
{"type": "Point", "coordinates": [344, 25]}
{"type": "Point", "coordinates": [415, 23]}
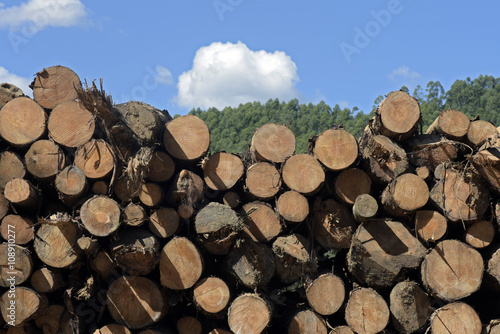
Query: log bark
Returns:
{"type": "Point", "coordinates": [365, 208]}
{"type": "Point", "coordinates": [125, 191]}
{"type": "Point", "coordinates": [22, 122]}
{"type": "Point", "coordinates": [186, 138]}
{"type": "Point", "coordinates": [452, 124]}
{"type": "Point", "coordinates": [382, 251]}
{"type": "Point", "coordinates": [249, 313]}
{"type": "Point", "coordinates": [293, 206]}
{"type": "Point", "coordinates": [11, 167]}
{"type": "Point", "coordinates": [263, 180]}
{"type": "Point", "coordinates": [405, 194]}
{"type": "Point", "coordinates": [452, 270]}
{"type": "Point", "coordinates": [28, 303]}
{"type": "Point", "coordinates": [455, 318]}
{"type": "Point", "coordinates": [366, 311]}
{"type": "Point", "coordinates": [487, 163]}
{"type": "Point", "coordinates": [9, 92]}
{"type": "Point", "coordinates": [17, 229]}
{"type": "Point", "coordinates": [480, 132]}
{"type": "Point", "coordinates": [383, 159]}
{"type": "Point", "coordinates": [46, 280]}
{"type": "Point", "coordinates": [326, 294]}
{"type": "Point", "coordinates": [397, 116]}
{"type": "Point", "coordinates": [307, 321]}
{"type": "Point", "coordinates": [186, 189]}
{"type": "Point", "coordinates": [56, 242]}
{"type": "Point", "coordinates": [272, 142]}
{"type": "Point", "coordinates": [181, 264]}
{"type": "Point", "coordinates": [71, 184]}
{"type": "Point", "coordinates": [151, 194]}
{"type": "Point", "coordinates": [54, 85]}
{"type": "Point", "coordinates": [336, 149]}
{"type": "Point", "coordinates": [71, 124]}
{"type": "Point", "coordinates": [304, 174]}
{"type": "Point", "coordinates": [459, 193]}
{"type": "Point", "coordinates": [135, 301]}
{"type": "Point", "coordinates": [100, 216]}
{"type": "Point", "coordinates": [16, 264]}
{"type": "Point", "coordinates": [211, 295]}
{"type": "Point", "coordinates": [293, 258]}
{"type": "Point", "coordinates": [136, 251]}
{"type": "Point", "coordinates": [95, 158]}
{"type": "Point", "coordinates": [164, 222]}
{"type": "Point", "coordinates": [217, 226]}
{"type": "Point", "coordinates": [161, 167]}
{"type": "Point", "coordinates": [251, 263]}
{"type": "Point", "coordinates": [262, 222]}
{"type": "Point", "coordinates": [352, 183]}
{"type": "Point", "coordinates": [480, 234]}
{"type": "Point", "coordinates": [410, 307]}
{"type": "Point", "coordinates": [189, 325]}
{"type": "Point", "coordinates": [432, 150]}
{"type": "Point", "coordinates": [222, 170]}
{"type": "Point", "coordinates": [430, 225]}
{"type": "Point", "coordinates": [22, 194]}
{"type": "Point", "coordinates": [44, 160]}
{"type": "Point", "coordinates": [332, 224]}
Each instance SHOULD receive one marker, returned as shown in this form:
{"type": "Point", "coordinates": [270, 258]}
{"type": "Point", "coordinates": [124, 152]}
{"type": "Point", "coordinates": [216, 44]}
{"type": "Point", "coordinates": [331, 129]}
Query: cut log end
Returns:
{"type": "Point", "coordinates": [399, 115]}
{"type": "Point", "coordinates": [430, 225]}
{"type": "Point", "coordinates": [352, 183]}
{"type": "Point", "coordinates": [70, 124]}
{"type": "Point", "coordinates": [365, 208]}
{"type": "Point", "coordinates": [262, 222]}
{"type": "Point", "coordinates": [336, 149]}
{"type": "Point", "coordinates": [307, 321]}
{"type": "Point", "coordinates": [272, 142]}
{"type": "Point", "coordinates": [455, 318]}
{"type": "Point", "coordinates": [222, 171]}
{"type": "Point", "coordinates": [186, 138]}
{"type": "Point", "coordinates": [54, 85]}
{"type": "Point", "coordinates": [480, 234]}
{"type": "Point", "coordinates": [366, 311]}
{"type": "Point", "coordinates": [180, 264]}
{"type": "Point", "coordinates": [100, 215]}
{"type": "Point", "coordinates": [211, 295]}
{"type": "Point", "coordinates": [293, 206]}
{"type": "Point", "coordinates": [326, 294]}
{"type": "Point", "coordinates": [263, 180]}
{"type": "Point", "coordinates": [249, 313]}
{"type": "Point", "coordinates": [304, 174]}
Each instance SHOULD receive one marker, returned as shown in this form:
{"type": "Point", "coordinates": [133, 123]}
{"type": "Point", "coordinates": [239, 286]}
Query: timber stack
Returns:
{"type": "Point", "coordinates": [118, 219]}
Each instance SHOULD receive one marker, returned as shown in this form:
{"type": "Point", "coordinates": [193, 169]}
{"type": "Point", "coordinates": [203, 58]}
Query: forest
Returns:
{"type": "Point", "coordinates": [232, 128]}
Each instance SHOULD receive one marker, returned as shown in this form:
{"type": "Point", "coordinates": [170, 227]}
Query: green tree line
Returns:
{"type": "Point", "coordinates": [232, 128]}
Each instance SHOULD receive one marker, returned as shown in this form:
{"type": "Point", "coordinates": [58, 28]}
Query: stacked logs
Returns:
{"type": "Point", "coordinates": [115, 219]}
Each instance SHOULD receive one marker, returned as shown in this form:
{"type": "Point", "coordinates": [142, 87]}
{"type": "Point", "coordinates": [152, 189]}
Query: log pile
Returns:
{"type": "Point", "coordinates": [117, 219]}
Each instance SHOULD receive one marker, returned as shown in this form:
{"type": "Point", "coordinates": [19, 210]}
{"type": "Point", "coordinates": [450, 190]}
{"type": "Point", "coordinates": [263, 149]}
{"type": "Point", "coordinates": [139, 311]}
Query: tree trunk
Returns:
{"type": "Point", "coordinates": [293, 206]}
{"type": "Point", "coordinates": [397, 116]}
{"type": "Point", "coordinates": [405, 194]}
{"type": "Point", "coordinates": [135, 301]}
{"type": "Point", "coordinates": [186, 138]}
{"type": "Point", "coordinates": [151, 194]}
{"type": "Point", "coordinates": [46, 280]}
{"type": "Point", "coordinates": [27, 304]}
{"type": "Point", "coordinates": [352, 183]}
{"type": "Point", "coordinates": [100, 215]}
{"type": "Point", "coordinates": [56, 242]}
{"type": "Point", "coordinates": [366, 311]}
{"type": "Point", "coordinates": [22, 122]}
{"type": "Point", "coordinates": [272, 142]}
{"type": "Point", "coordinates": [332, 224]}
{"type": "Point", "coordinates": [410, 307]}
{"type": "Point", "coordinates": [189, 325]}
{"type": "Point", "coordinates": [480, 132]}
{"type": "Point", "coordinates": [384, 160]}
{"type": "Point", "coordinates": [70, 124]}
{"type": "Point", "coordinates": [249, 313]}
{"type": "Point", "coordinates": [17, 267]}
{"type": "Point", "coordinates": [455, 318]}
{"type": "Point", "coordinates": [44, 160]}
{"type": "Point", "coordinates": [326, 294]}
{"type": "Point", "coordinates": [452, 124]}
{"type": "Point", "coordinates": [71, 184]}
{"type": "Point", "coordinates": [211, 295]}
{"type": "Point", "coordinates": [19, 230]}
{"type": "Point", "coordinates": [217, 226]}
{"type": "Point", "coordinates": [431, 150]}
{"type": "Point", "coordinates": [22, 194]}
{"type": "Point", "coordinates": [293, 258]}
{"type": "Point", "coordinates": [452, 270]}
{"type": "Point", "coordinates": [251, 263]}
{"type": "Point", "coordinates": [222, 171]}
{"type": "Point", "coordinates": [487, 163]}
{"type": "Point", "coordinates": [164, 222]}
{"type": "Point", "coordinates": [54, 85]}
{"type": "Point", "coordinates": [336, 149]}
{"type": "Point", "coordinates": [430, 225]}
{"type": "Point", "coordinates": [136, 251]}
{"type": "Point", "coordinates": [262, 222]}
{"type": "Point", "coordinates": [186, 189]}
{"type": "Point", "coordinates": [181, 264]}
{"type": "Point", "coordinates": [161, 167]}
{"type": "Point", "coordinates": [480, 234]}
{"type": "Point", "coordinates": [382, 251]}
{"type": "Point", "coordinates": [263, 180]}
{"type": "Point", "coordinates": [365, 208]}
{"type": "Point", "coordinates": [307, 321]}
{"type": "Point", "coordinates": [95, 158]}
{"type": "Point", "coordinates": [11, 167]}
{"type": "Point", "coordinates": [304, 174]}
{"type": "Point", "coordinates": [459, 193]}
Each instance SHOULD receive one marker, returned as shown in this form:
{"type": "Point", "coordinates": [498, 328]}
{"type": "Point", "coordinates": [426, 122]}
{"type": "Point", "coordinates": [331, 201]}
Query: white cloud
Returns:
{"type": "Point", "coordinates": [39, 14]}
{"type": "Point", "coordinates": [229, 74]}
{"type": "Point", "coordinates": [163, 75]}
{"type": "Point", "coordinates": [344, 104]}
{"type": "Point", "coordinates": [21, 82]}
{"type": "Point", "coordinates": [403, 73]}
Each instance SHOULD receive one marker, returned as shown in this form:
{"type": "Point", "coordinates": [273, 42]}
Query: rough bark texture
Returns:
{"type": "Point", "coordinates": [432, 150]}
{"type": "Point", "coordinates": [410, 307]}
{"type": "Point", "coordinates": [333, 224]}
{"type": "Point", "coordinates": [136, 251]}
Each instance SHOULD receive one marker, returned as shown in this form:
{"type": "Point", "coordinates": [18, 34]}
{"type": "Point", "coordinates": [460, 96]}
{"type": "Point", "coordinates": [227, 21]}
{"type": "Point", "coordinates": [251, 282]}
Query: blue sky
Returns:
{"type": "Point", "coordinates": [180, 54]}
